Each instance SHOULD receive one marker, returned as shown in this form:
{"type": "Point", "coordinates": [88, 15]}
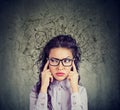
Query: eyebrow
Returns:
{"type": "Point", "coordinates": [62, 58]}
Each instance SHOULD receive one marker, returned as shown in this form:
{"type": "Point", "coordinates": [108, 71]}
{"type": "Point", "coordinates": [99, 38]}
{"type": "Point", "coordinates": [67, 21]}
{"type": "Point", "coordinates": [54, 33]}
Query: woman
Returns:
{"type": "Point", "coordinates": [59, 85]}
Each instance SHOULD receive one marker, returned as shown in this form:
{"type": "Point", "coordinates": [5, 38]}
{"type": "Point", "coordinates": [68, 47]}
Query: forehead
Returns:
{"type": "Point", "coordinates": [60, 53]}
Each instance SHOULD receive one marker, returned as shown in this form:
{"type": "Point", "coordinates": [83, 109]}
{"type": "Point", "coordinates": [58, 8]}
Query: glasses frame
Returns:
{"type": "Point", "coordinates": [61, 60]}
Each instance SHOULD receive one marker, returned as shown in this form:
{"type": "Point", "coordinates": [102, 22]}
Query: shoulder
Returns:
{"type": "Point", "coordinates": [82, 89]}
{"type": "Point", "coordinates": [33, 92]}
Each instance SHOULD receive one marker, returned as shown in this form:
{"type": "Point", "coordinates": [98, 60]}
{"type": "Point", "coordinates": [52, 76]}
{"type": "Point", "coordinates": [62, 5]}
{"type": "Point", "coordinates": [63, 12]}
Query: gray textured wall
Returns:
{"type": "Point", "coordinates": [25, 27]}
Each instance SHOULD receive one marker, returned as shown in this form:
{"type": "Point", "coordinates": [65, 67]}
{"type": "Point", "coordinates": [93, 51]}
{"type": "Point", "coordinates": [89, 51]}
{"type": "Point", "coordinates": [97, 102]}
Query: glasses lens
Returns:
{"type": "Point", "coordinates": [67, 62]}
{"type": "Point", "coordinates": [54, 61]}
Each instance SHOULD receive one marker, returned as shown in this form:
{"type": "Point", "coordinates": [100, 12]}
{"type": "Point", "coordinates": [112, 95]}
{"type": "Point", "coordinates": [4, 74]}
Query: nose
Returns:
{"type": "Point", "coordinates": [60, 66]}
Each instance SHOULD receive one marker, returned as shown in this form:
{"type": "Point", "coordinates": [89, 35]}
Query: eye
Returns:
{"type": "Point", "coordinates": [66, 60]}
{"type": "Point", "coordinates": [54, 60]}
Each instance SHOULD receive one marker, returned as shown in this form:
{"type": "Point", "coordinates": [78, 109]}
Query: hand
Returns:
{"type": "Point", "coordinates": [73, 78]}
{"type": "Point", "coordinates": [46, 78]}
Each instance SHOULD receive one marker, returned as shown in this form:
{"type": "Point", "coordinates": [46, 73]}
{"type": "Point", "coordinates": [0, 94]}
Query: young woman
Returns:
{"type": "Point", "coordinates": [59, 85]}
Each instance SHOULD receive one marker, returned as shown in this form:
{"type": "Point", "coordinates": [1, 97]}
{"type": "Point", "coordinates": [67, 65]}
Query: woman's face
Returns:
{"type": "Point", "coordinates": [58, 70]}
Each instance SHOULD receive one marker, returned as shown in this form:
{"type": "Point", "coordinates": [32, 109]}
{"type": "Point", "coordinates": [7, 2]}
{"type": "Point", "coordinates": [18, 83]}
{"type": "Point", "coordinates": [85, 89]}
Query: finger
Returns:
{"type": "Point", "coordinates": [46, 66]}
{"type": "Point", "coordinates": [51, 78]}
{"type": "Point", "coordinates": [74, 67]}
{"type": "Point", "coordinates": [69, 76]}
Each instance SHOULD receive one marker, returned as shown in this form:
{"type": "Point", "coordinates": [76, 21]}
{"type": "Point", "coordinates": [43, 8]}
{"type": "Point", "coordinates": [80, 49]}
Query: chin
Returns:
{"type": "Point", "coordinates": [60, 79]}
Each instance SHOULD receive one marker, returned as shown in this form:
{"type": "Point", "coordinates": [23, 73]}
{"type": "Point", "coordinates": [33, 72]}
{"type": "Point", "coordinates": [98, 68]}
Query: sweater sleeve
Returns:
{"type": "Point", "coordinates": [79, 100]}
{"type": "Point", "coordinates": [38, 102]}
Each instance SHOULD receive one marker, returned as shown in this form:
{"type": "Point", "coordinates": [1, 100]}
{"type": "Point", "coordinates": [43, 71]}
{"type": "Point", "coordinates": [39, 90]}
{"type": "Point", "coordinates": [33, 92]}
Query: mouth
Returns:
{"type": "Point", "coordinates": [60, 74]}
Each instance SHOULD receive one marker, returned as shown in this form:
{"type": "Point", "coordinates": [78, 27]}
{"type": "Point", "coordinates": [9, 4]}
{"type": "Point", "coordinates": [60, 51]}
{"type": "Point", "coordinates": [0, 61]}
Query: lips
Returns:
{"type": "Point", "coordinates": [59, 74]}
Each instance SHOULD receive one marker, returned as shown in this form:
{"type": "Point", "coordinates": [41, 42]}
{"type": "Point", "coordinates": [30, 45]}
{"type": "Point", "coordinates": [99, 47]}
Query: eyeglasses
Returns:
{"type": "Point", "coordinates": [65, 62]}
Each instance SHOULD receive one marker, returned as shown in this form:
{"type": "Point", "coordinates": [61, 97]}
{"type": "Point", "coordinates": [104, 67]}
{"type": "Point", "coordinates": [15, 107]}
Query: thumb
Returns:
{"type": "Point", "coordinates": [68, 77]}
{"type": "Point", "coordinates": [51, 78]}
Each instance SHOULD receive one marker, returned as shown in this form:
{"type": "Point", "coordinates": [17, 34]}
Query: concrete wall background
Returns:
{"type": "Point", "coordinates": [25, 27]}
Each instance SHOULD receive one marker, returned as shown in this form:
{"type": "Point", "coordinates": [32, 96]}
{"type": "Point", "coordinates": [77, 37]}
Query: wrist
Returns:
{"type": "Point", "coordinates": [75, 89]}
{"type": "Point", "coordinates": [43, 89]}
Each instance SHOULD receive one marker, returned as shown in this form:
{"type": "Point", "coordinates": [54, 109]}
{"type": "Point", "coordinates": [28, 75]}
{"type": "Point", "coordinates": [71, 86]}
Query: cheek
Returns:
{"type": "Point", "coordinates": [68, 69]}
{"type": "Point", "coordinates": [52, 69]}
